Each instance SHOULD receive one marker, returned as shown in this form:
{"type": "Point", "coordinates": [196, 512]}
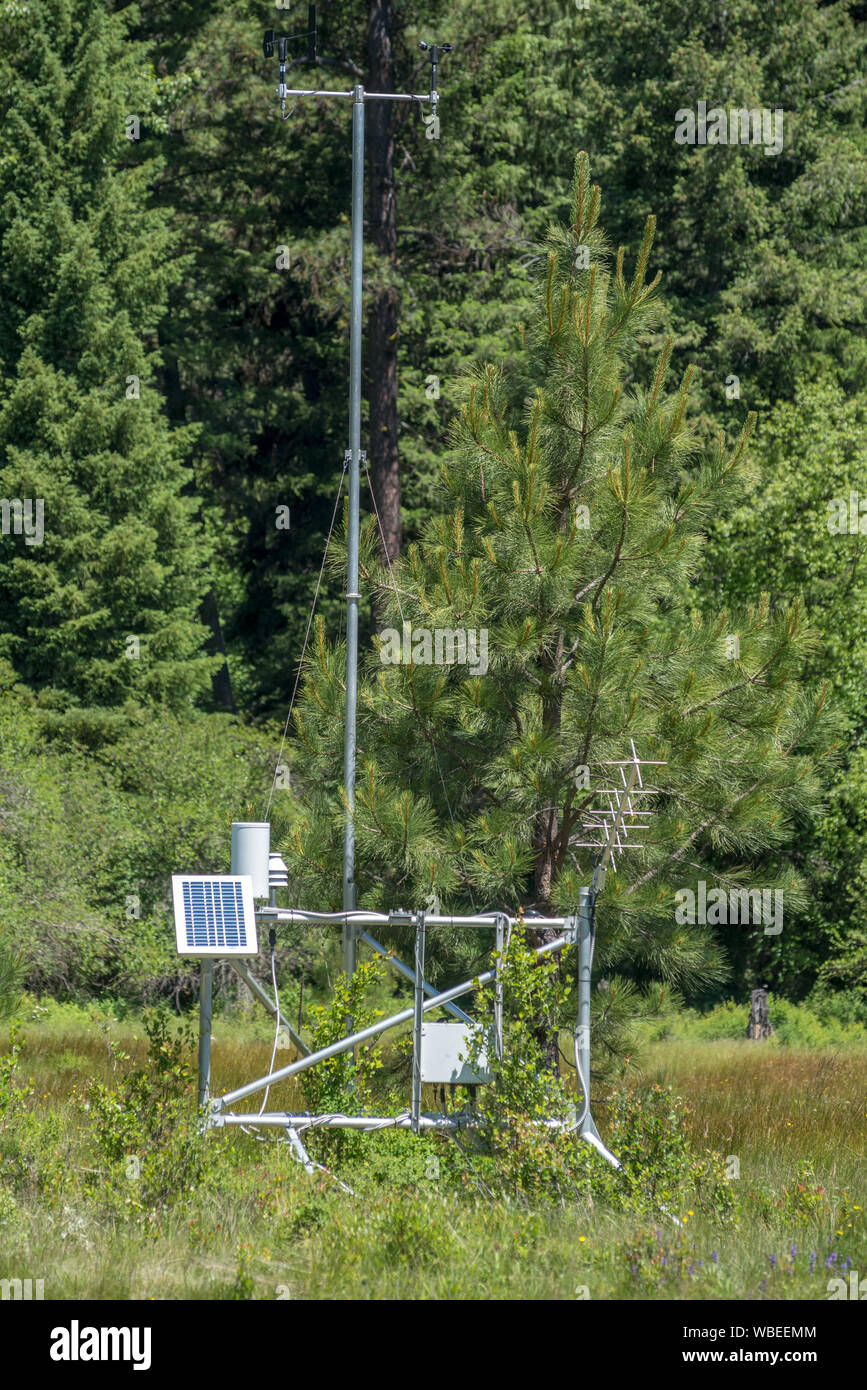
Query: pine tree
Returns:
{"type": "Point", "coordinates": [571, 535]}
{"type": "Point", "coordinates": [102, 605]}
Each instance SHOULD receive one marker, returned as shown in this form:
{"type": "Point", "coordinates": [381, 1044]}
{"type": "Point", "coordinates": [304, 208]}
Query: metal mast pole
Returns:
{"type": "Point", "coordinates": [354, 454]}
{"type": "Point", "coordinates": [350, 945]}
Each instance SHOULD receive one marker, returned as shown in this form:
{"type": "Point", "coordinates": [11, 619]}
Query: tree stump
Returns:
{"type": "Point", "coordinates": [759, 1025]}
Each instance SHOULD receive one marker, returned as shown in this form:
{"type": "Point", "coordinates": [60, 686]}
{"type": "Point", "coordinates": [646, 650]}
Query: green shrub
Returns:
{"type": "Point", "coordinates": [524, 1158]}
{"type": "Point", "coordinates": [515, 1152]}
{"type": "Point", "coordinates": [147, 1126]}
{"type": "Point", "coordinates": [846, 1006]}
{"type": "Point", "coordinates": [97, 814]}
{"type": "Point", "coordinates": [823, 1020]}
{"type": "Point", "coordinates": [12, 1089]}
{"type": "Point", "coordinates": [344, 1084]}
{"type": "Point", "coordinates": [661, 1168]}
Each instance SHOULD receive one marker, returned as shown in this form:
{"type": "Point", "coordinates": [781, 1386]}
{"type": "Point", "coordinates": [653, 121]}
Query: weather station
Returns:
{"type": "Point", "coordinates": [218, 916]}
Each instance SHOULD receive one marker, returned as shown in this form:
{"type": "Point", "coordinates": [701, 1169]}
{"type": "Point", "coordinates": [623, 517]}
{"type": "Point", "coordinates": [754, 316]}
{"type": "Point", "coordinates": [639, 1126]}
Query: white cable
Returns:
{"type": "Point", "coordinates": [584, 1087]}
{"type": "Point", "coordinates": [316, 1122]}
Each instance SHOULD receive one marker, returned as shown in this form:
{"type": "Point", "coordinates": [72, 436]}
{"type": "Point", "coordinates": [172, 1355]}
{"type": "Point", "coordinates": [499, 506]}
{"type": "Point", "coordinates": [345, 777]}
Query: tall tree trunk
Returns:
{"type": "Point", "coordinates": [547, 831]}
{"type": "Point", "coordinates": [382, 321]}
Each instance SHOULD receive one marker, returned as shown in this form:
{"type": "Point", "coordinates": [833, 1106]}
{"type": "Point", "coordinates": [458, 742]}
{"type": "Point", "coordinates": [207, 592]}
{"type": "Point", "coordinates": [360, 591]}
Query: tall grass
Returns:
{"type": "Point", "coordinates": [791, 1121]}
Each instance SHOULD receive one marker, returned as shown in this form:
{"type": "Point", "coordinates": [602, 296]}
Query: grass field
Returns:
{"type": "Point", "coordinates": [789, 1122]}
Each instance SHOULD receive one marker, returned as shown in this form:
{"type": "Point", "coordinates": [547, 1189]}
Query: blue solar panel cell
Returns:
{"type": "Point", "coordinates": [214, 916]}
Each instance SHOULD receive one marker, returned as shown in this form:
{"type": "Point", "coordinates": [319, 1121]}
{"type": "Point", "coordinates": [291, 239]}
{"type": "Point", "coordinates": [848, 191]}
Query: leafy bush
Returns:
{"type": "Point", "coordinates": [147, 1127]}
{"type": "Point", "coordinates": [12, 1090]}
{"type": "Point", "coordinates": [660, 1165]}
{"type": "Point", "coordinates": [95, 816]}
{"type": "Point", "coordinates": [846, 1006]}
{"type": "Point", "coordinates": [823, 1020]}
{"type": "Point", "coordinates": [344, 1084]}
{"type": "Point", "coordinates": [521, 1155]}
{"type": "Point", "coordinates": [525, 1158]}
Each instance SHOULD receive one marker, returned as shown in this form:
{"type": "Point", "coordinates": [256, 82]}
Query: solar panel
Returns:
{"type": "Point", "coordinates": [214, 915]}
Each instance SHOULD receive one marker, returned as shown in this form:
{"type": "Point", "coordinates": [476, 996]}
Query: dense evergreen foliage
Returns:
{"type": "Point", "coordinates": [173, 389]}
{"type": "Point", "coordinates": [104, 604]}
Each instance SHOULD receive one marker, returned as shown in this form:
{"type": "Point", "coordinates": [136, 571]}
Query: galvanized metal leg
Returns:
{"type": "Point", "coordinates": [300, 1152]}
{"type": "Point", "coordinates": [586, 940]}
{"type": "Point", "coordinates": [592, 1138]}
{"type": "Point", "coordinates": [582, 1030]}
{"type": "Point", "coordinates": [498, 989]}
{"type": "Point", "coordinates": [418, 1018]}
{"type": "Point", "coordinates": [206, 981]}
{"type": "Point", "coordinates": [307, 1162]}
{"type": "Point", "coordinates": [253, 984]}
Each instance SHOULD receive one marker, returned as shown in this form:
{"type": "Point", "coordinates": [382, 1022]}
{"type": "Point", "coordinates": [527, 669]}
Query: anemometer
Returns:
{"type": "Point", "coordinates": [435, 51]}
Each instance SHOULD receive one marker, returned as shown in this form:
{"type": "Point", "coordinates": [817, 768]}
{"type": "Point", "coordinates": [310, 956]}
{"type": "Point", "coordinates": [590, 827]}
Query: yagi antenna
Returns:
{"type": "Point", "coordinates": [610, 826]}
